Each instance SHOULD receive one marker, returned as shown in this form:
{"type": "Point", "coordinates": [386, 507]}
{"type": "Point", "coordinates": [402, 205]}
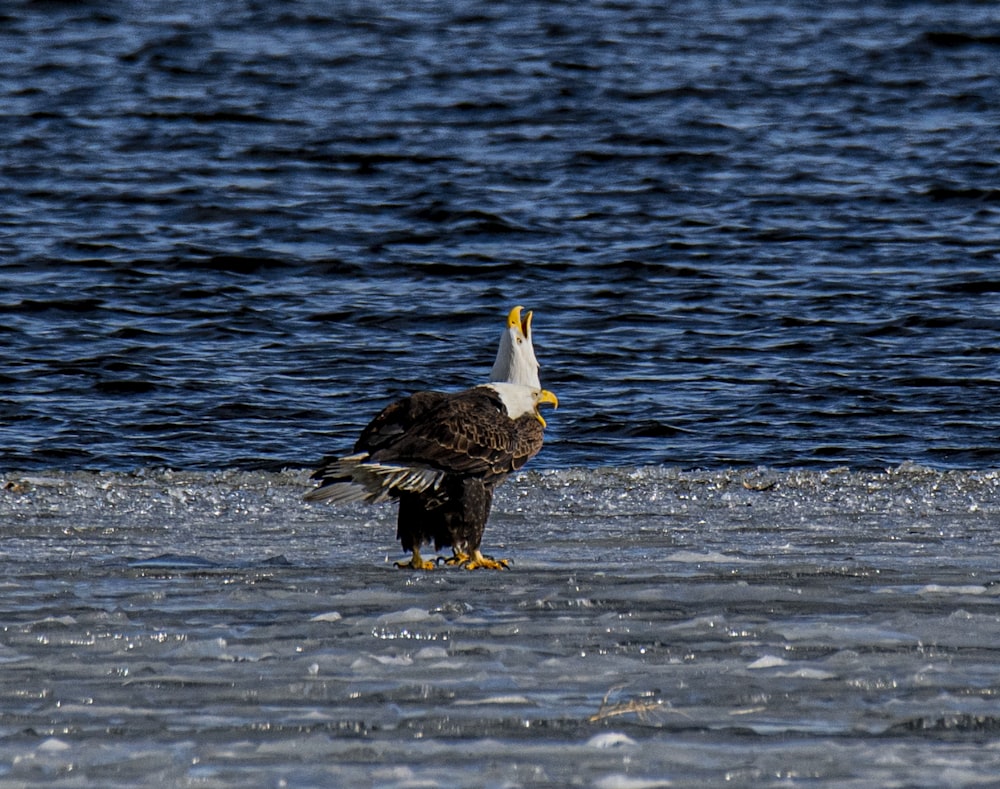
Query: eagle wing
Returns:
{"type": "Point", "coordinates": [396, 418]}
{"type": "Point", "coordinates": [390, 423]}
{"type": "Point", "coordinates": [468, 434]}
{"type": "Point", "coordinates": [414, 443]}
{"type": "Point", "coordinates": [529, 441]}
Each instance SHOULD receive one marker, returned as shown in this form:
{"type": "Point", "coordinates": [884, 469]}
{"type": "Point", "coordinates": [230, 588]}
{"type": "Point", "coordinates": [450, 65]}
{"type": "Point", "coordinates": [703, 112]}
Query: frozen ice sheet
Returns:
{"type": "Point", "coordinates": [659, 627]}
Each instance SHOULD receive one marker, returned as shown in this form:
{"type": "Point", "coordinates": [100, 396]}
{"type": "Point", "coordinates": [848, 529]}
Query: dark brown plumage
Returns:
{"type": "Point", "coordinates": [442, 456]}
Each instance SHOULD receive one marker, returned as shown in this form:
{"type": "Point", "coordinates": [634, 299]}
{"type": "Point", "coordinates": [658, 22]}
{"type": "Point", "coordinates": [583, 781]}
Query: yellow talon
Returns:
{"type": "Point", "coordinates": [478, 561]}
{"type": "Point", "coordinates": [458, 557]}
{"type": "Point", "coordinates": [417, 562]}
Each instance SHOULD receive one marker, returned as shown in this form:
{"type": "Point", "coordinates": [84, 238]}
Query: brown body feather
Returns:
{"type": "Point", "coordinates": [457, 447]}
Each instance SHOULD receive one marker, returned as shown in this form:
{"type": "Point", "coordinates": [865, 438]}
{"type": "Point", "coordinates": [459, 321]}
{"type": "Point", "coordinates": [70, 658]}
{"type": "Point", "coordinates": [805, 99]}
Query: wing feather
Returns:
{"type": "Point", "coordinates": [415, 442]}
{"type": "Point", "coordinates": [468, 433]}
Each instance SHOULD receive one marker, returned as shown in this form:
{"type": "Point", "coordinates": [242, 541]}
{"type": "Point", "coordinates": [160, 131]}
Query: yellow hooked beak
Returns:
{"type": "Point", "coordinates": [523, 325]}
{"type": "Point", "coordinates": [545, 396]}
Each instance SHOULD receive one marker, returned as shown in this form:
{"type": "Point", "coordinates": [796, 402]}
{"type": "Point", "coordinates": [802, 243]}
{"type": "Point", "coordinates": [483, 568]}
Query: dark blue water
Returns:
{"type": "Point", "coordinates": [752, 233]}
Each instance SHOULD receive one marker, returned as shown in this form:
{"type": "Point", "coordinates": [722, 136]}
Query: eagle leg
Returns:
{"type": "Point", "coordinates": [417, 562]}
{"type": "Point", "coordinates": [477, 561]}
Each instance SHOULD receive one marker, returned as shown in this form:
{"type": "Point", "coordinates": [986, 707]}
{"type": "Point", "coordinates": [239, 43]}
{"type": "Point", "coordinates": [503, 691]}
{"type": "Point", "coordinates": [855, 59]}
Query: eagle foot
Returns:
{"type": "Point", "coordinates": [477, 561]}
{"type": "Point", "coordinates": [417, 562]}
{"type": "Point", "coordinates": [458, 557]}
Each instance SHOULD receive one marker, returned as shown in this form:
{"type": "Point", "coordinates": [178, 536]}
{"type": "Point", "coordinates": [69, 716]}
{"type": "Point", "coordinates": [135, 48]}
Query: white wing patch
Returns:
{"type": "Point", "coordinates": [356, 480]}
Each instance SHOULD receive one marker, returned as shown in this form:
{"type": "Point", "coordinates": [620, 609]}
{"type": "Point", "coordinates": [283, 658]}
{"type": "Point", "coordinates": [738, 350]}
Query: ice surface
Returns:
{"type": "Point", "coordinates": [659, 627]}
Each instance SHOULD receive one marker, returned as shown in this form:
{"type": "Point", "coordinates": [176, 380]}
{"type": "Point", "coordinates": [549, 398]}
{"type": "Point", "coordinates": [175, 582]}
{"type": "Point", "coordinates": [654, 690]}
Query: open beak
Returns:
{"type": "Point", "coordinates": [546, 397]}
{"type": "Point", "coordinates": [523, 324]}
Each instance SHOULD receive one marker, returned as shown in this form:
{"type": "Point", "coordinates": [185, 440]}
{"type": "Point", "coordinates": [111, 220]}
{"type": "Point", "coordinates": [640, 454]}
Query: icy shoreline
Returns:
{"type": "Point", "coordinates": [628, 480]}
{"type": "Point", "coordinates": [659, 627]}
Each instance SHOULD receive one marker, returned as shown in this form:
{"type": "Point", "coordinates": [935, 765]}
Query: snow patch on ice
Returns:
{"type": "Point", "coordinates": [807, 673]}
{"type": "Point", "coordinates": [515, 699]}
{"type": "Point", "coordinates": [330, 616]}
{"type": "Point", "coordinates": [713, 557]}
{"type": "Point", "coordinates": [431, 653]}
{"type": "Point", "coordinates": [610, 739]}
{"type": "Point", "coordinates": [628, 782]}
{"type": "Point", "coordinates": [941, 589]}
{"type": "Point", "coordinates": [392, 660]}
{"type": "Point", "coordinates": [53, 745]}
{"type": "Point", "coordinates": [407, 616]}
{"type": "Point", "coordinates": [768, 661]}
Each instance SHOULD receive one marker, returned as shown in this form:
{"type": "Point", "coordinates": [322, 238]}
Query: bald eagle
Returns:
{"type": "Point", "coordinates": [442, 455]}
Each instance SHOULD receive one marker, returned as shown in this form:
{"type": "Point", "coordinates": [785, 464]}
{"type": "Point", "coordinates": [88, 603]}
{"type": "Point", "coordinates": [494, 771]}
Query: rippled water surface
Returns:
{"type": "Point", "coordinates": [752, 233]}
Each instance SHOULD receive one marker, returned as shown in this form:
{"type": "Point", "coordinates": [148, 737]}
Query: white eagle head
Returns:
{"type": "Point", "coordinates": [516, 362]}
{"type": "Point", "coordinates": [519, 400]}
